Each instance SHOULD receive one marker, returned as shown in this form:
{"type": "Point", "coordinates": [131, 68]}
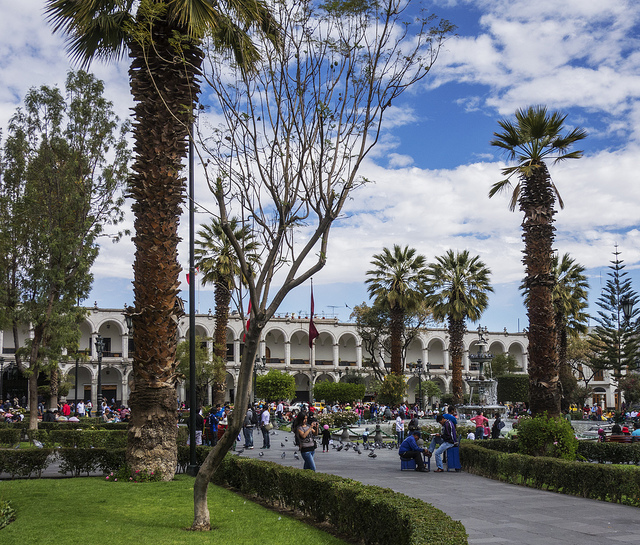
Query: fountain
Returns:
{"type": "Point", "coordinates": [487, 389]}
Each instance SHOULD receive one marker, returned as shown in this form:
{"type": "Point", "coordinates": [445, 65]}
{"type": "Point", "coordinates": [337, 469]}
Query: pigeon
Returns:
{"type": "Point", "coordinates": [357, 449]}
{"type": "Point", "coordinates": [37, 443]}
{"type": "Point", "coordinates": [273, 433]}
{"type": "Point", "coordinates": [283, 455]}
{"type": "Point", "coordinates": [240, 451]}
{"type": "Point", "coordinates": [262, 454]}
{"type": "Point", "coordinates": [340, 448]}
{"type": "Point", "coordinates": [17, 446]}
{"type": "Point", "coordinates": [295, 455]}
{"type": "Point", "coordinates": [281, 444]}
{"type": "Point", "coordinates": [286, 439]}
{"type": "Point", "coordinates": [373, 455]}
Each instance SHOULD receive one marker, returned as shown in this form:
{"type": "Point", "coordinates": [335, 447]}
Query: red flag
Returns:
{"type": "Point", "coordinates": [313, 332]}
{"type": "Point", "coordinates": [246, 329]}
{"type": "Point", "coordinates": [187, 278]}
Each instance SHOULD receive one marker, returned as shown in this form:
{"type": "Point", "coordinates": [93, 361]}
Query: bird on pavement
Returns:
{"type": "Point", "coordinates": [240, 451]}
{"type": "Point", "coordinates": [261, 454]}
{"type": "Point", "coordinates": [281, 444]}
{"type": "Point", "coordinates": [372, 454]}
{"type": "Point", "coordinates": [295, 455]}
{"type": "Point", "coordinates": [283, 455]}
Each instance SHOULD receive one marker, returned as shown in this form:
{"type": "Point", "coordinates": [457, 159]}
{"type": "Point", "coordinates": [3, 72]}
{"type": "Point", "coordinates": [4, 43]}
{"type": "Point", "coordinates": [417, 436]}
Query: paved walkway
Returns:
{"type": "Point", "coordinates": [491, 511]}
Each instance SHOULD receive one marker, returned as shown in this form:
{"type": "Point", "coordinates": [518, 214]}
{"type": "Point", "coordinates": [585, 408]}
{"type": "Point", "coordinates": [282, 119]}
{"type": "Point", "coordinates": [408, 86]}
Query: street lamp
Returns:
{"type": "Point", "coordinates": [627, 307]}
{"type": "Point", "coordinates": [416, 369]}
{"type": "Point", "coordinates": [1, 385]}
{"type": "Point", "coordinates": [259, 365]}
{"type": "Point", "coordinates": [99, 349]}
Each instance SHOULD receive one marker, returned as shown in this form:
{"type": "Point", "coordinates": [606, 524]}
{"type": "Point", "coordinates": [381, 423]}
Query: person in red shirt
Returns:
{"type": "Point", "coordinates": [66, 410]}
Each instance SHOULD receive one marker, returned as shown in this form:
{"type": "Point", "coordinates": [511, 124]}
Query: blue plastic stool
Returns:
{"type": "Point", "coordinates": [453, 459]}
{"type": "Point", "coordinates": [411, 464]}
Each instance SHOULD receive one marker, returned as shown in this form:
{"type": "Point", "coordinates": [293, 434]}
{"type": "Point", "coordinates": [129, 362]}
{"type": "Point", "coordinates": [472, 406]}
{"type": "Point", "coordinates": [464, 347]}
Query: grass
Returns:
{"type": "Point", "coordinates": [92, 511]}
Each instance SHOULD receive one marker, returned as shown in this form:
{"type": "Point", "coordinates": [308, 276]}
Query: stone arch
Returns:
{"type": "Point", "coordinates": [324, 349]}
{"type": "Point", "coordinates": [274, 345]}
{"type": "Point", "coordinates": [436, 348]}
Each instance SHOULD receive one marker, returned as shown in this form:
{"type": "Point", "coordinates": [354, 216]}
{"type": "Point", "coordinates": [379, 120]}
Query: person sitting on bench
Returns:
{"type": "Point", "coordinates": [409, 450]}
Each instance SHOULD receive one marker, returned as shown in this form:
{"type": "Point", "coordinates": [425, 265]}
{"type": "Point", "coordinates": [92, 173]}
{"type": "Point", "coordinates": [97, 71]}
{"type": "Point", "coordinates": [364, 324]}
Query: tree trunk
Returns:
{"type": "Point", "coordinates": [396, 327]}
{"type": "Point", "coordinates": [223, 299]}
{"type": "Point", "coordinates": [54, 380]}
{"type": "Point", "coordinates": [165, 91]}
{"type": "Point", "coordinates": [456, 336]}
{"type": "Point", "coordinates": [33, 401]}
{"type": "Point", "coordinates": [538, 233]}
{"type": "Point", "coordinates": [214, 458]}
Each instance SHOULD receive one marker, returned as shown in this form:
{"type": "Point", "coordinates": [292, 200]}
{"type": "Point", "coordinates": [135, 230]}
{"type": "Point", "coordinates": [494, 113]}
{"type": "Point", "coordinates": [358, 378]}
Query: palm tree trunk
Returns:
{"type": "Point", "coordinates": [456, 348]}
{"type": "Point", "coordinates": [396, 328]}
{"type": "Point", "coordinates": [165, 91]}
{"type": "Point", "coordinates": [538, 234]}
{"type": "Point", "coordinates": [223, 298]}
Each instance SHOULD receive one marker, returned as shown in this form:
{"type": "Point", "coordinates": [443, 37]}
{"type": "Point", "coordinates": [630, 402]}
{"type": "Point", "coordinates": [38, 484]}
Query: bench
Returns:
{"type": "Point", "coordinates": [621, 439]}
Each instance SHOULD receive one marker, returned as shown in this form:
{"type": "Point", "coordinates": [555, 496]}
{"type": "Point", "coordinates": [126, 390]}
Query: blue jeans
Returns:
{"type": "Point", "coordinates": [248, 437]}
{"type": "Point", "coordinates": [309, 462]}
{"type": "Point", "coordinates": [400, 436]}
{"type": "Point", "coordinates": [266, 440]}
{"type": "Point", "coordinates": [443, 447]}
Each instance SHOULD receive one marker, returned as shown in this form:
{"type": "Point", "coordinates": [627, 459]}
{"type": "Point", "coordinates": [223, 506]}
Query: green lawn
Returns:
{"type": "Point", "coordinates": [92, 511]}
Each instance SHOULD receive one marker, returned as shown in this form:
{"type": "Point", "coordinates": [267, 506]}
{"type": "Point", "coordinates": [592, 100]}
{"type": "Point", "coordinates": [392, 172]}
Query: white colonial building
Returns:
{"type": "Point", "coordinates": [284, 346]}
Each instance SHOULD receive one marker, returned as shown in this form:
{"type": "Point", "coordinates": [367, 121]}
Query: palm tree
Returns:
{"type": "Point", "coordinates": [164, 41]}
{"type": "Point", "coordinates": [397, 282]}
{"type": "Point", "coordinates": [532, 139]}
{"type": "Point", "coordinates": [570, 294]}
{"type": "Point", "coordinates": [217, 260]}
{"type": "Point", "coordinates": [459, 284]}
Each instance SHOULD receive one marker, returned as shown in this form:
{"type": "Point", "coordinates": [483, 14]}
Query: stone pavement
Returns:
{"type": "Point", "coordinates": [491, 511]}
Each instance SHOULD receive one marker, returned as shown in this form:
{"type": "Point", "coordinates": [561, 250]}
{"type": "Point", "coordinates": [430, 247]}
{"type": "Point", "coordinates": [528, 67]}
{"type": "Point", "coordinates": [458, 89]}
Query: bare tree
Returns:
{"type": "Point", "coordinates": [294, 136]}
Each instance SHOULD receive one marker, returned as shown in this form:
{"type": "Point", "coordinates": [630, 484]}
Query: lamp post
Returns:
{"type": "Point", "coordinates": [99, 349]}
{"type": "Point", "coordinates": [259, 365]}
{"type": "Point", "coordinates": [1, 384]}
{"type": "Point", "coordinates": [416, 369]}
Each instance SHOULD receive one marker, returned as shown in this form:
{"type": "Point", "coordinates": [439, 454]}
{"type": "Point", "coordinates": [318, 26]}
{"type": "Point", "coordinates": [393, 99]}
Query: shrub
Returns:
{"type": "Point", "coordinates": [7, 513]}
{"type": "Point", "coordinates": [368, 514]}
{"type": "Point", "coordinates": [607, 482]}
{"type": "Point", "coordinates": [338, 420]}
{"type": "Point", "coordinates": [126, 475]}
{"type": "Point", "coordinates": [547, 436]}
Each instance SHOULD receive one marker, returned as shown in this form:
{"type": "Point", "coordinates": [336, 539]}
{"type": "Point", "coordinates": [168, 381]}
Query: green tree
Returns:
{"type": "Point", "coordinates": [536, 136]}
{"type": "Point", "coordinates": [373, 326]}
{"type": "Point", "coordinates": [459, 285]}
{"type": "Point", "coordinates": [392, 390]}
{"type": "Point", "coordinates": [630, 387]}
{"type": "Point", "coordinates": [503, 364]}
{"type": "Point", "coordinates": [216, 259]}
{"type": "Point", "coordinates": [57, 191]}
{"type": "Point", "coordinates": [613, 342]}
{"type": "Point", "coordinates": [164, 41]}
{"type": "Point", "coordinates": [293, 135]}
{"type": "Point", "coordinates": [205, 368]}
{"type": "Point", "coordinates": [338, 392]}
{"type": "Point", "coordinates": [275, 385]}
{"type": "Point", "coordinates": [397, 283]}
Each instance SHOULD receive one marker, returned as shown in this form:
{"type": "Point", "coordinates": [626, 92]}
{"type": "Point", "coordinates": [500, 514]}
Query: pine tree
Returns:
{"type": "Point", "coordinates": [614, 340]}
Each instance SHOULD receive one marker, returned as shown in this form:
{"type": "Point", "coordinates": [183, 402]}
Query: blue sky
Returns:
{"type": "Point", "coordinates": [432, 173]}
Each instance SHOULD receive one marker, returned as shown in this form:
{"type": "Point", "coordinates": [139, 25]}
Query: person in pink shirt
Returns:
{"type": "Point", "coordinates": [480, 421]}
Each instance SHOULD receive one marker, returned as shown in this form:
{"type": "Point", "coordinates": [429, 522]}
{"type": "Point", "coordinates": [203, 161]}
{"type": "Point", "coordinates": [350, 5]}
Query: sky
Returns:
{"type": "Point", "coordinates": [434, 167]}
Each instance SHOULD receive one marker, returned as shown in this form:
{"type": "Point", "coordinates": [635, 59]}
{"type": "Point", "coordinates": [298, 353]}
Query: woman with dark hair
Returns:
{"type": "Point", "coordinates": [306, 432]}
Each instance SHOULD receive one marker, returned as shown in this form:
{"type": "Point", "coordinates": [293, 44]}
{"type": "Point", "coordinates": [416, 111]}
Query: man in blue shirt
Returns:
{"type": "Point", "coordinates": [448, 437]}
{"type": "Point", "coordinates": [409, 450]}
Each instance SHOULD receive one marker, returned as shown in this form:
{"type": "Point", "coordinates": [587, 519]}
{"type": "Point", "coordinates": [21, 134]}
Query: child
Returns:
{"type": "Point", "coordinates": [487, 431]}
{"type": "Point", "coordinates": [326, 437]}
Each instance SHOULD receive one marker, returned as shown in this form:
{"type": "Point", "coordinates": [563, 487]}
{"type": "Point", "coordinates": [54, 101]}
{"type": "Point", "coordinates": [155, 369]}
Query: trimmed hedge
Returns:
{"type": "Point", "coordinates": [613, 453]}
{"type": "Point", "coordinates": [29, 463]}
{"type": "Point", "coordinates": [608, 482]}
{"type": "Point", "coordinates": [369, 513]}
{"type": "Point", "coordinates": [9, 437]}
